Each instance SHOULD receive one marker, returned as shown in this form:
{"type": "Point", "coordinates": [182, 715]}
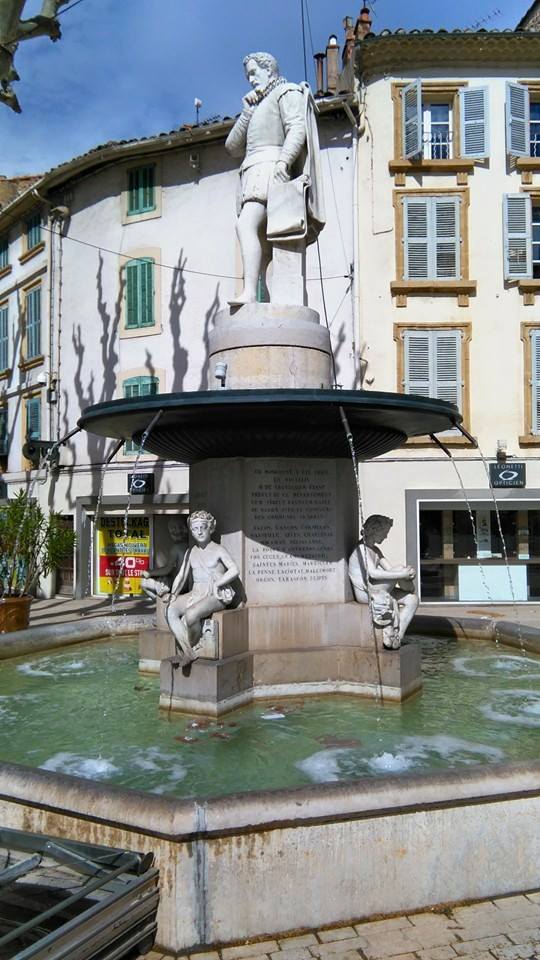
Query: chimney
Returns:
{"type": "Point", "coordinates": [332, 64]}
{"type": "Point", "coordinates": [350, 39]}
{"type": "Point", "coordinates": [363, 24]}
{"type": "Point", "coordinates": [319, 72]}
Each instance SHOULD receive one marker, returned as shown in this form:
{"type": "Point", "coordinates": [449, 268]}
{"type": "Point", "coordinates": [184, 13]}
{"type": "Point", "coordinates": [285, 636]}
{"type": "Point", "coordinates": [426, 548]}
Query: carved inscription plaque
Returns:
{"type": "Point", "coordinates": [291, 538]}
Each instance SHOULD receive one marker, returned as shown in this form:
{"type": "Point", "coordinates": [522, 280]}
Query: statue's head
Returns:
{"type": "Point", "coordinates": [260, 69]}
{"type": "Point", "coordinates": [376, 528]}
{"type": "Point", "coordinates": [201, 524]}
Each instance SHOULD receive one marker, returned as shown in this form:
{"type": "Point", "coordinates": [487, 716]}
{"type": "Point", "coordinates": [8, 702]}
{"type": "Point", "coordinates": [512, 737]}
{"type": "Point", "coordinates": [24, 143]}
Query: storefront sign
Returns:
{"type": "Point", "coordinates": [507, 474]}
{"type": "Point", "coordinates": [140, 483]}
{"type": "Point", "coordinates": [122, 559]}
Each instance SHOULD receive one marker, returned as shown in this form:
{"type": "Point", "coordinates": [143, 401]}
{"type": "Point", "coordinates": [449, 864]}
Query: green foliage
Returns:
{"type": "Point", "coordinates": [32, 544]}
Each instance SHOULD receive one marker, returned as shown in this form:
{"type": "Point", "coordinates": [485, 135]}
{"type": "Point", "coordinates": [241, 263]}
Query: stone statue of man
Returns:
{"type": "Point", "coordinates": [13, 29]}
{"type": "Point", "coordinates": [276, 134]}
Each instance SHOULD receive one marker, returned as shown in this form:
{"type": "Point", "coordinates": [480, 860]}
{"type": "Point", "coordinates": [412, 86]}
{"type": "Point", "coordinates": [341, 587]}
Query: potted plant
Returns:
{"type": "Point", "coordinates": [32, 543]}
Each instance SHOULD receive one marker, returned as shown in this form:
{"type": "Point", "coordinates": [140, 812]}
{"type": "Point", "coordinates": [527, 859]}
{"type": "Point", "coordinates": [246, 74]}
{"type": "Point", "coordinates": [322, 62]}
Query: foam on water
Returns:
{"type": "Point", "coordinates": [90, 768]}
{"type": "Point", "coordinates": [517, 706]}
{"type": "Point", "coordinates": [323, 766]}
{"type": "Point", "coordinates": [54, 667]}
{"type": "Point", "coordinates": [272, 715]}
{"type": "Point", "coordinates": [388, 762]}
{"type": "Point", "coordinates": [154, 761]}
{"type": "Point", "coordinates": [506, 663]}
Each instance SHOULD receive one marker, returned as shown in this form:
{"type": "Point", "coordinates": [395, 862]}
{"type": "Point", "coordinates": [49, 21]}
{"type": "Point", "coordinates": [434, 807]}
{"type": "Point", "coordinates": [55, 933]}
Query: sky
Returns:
{"type": "Point", "coordinates": [132, 68]}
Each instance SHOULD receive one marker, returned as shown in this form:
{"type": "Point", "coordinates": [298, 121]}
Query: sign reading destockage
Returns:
{"type": "Point", "coordinates": [122, 559]}
{"type": "Point", "coordinates": [507, 474]}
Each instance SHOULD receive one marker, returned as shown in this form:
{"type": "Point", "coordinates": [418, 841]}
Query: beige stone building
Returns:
{"type": "Point", "coordinates": [448, 297]}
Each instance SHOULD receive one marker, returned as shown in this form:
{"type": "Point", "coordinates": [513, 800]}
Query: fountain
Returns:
{"type": "Point", "coordinates": [270, 458]}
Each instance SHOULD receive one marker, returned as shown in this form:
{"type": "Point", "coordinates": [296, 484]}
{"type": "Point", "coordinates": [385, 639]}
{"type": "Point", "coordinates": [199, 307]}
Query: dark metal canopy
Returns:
{"type": "Point", "coordinates": [270, 423]}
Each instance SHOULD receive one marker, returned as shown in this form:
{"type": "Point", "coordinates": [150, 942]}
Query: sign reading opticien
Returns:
{"type": "Point", "coordinates": [122, 559]}
{"type": "Point", "coordinates": [507, 474]}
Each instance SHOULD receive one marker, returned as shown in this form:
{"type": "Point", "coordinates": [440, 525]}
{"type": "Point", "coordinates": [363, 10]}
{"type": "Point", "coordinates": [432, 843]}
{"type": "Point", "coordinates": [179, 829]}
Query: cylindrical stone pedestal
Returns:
{"type": "Point", "coordinates": [266, 345]}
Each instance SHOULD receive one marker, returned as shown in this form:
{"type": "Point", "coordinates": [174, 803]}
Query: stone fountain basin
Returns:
{"type": "Point", "coordinates": [198, 425]}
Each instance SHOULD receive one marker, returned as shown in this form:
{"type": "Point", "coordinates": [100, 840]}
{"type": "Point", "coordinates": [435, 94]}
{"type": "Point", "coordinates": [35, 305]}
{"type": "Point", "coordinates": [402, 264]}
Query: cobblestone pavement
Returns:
{"type": "Point", "coordinates": [504, 929]}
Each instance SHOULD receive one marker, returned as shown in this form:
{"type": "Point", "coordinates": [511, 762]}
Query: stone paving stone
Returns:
{"type": "Point", "coordinates": [341, 947]}
{"type": "Point", "coordinates": [294, 953]}
{"type": "Point", "coordinates": [513, 952]}
{"type": "Point", "coordinates": [434, 937]}
{"type": "Point", "coordinates": [206, 955]}
{"type": "Point", "coordinates": [475, 930]}
{"type": "Point", "coordinates": [475, 911]}
{"type": "Point", "coordinates": [391, 944]}
{"type": "Point", "coordinates": [432, 921]}
{"type": "Point", "coordinates": [336, 933]}
{"type": "Point", "coordinates": [525, 936]}
{"type": "Point", "coordinates": [382, 926]}
{"type": "Point", "coordinates": [304, 940]}
{"type": "Point", "coordinates": [523, 923]}
{"type": "Point", "coordinates": [248, 950]}
{"type": "Point", "coordinates": [438, 953]}
{"type": "Point", "coordinates": [482, 945]}
{"type": "Point", "coordinates": [517, 907]}
{"type": "Point", "coordinates": [535, 896]}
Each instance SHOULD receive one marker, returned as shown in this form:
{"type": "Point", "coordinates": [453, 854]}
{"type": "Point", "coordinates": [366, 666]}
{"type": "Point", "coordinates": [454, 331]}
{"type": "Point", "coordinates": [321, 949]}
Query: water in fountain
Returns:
{"type": "Point", "coordinates": [123, 546]}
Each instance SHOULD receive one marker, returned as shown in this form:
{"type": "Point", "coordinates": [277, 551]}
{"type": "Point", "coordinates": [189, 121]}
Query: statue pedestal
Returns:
{"type": "Point", "coordinates": [270, 345]}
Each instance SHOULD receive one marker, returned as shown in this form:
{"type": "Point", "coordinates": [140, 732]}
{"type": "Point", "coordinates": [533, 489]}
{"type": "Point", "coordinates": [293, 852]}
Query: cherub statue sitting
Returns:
{"type": "Point", "coordinates": [212, 571]}
{"type": "Point", "coordinates": [389, 590]}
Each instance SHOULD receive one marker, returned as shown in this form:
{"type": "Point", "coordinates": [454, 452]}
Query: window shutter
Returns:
{"type": "Point", "coordinates": [138, 387]}
{"type": "Point", "coordinates": [446, 238]}
{"type": "Point", "coordinates": [139, 293]}
{"type": "Point", "coordinates": [33, 418]}
{"type": "Point", "coordinates": [4, 339]}
{"type": "Point", "coordinates": [411, 120]}
{"type": "Point", "coordinates": [147, 188]}
{"type": "Point", "coordinates": [415, 240]}
{"type": "Point", "coordinates": [517, 216]}
{"type": "Point", "coordinates": [4, 253]}
{"type": "Point", "coordinates": [4, 443]}
{"type": "Point", "coordinates": [417, 362]}
{"type": "Point", "coordinates": [517, 120]}
{"type": "Point", "coordinates": [474, 127]}
{"type": "Point", "coordinates": [33, 323]}
{"type": "Point", "coordinates": [535, 380]}
{"type": "Point", "coordinates": [447, 365]}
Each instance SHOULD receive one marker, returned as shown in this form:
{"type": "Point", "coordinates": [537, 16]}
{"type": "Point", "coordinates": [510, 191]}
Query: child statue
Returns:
{"type": "Point", "coordinates": [389, 590]}
{"type": "Point", "coordinates": [212, 571]}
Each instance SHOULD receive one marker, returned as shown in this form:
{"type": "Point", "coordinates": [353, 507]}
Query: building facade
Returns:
{"type": "Point", "coordinates": [112, 269]}
{"type": "Point", "coordinates": [449, 305]}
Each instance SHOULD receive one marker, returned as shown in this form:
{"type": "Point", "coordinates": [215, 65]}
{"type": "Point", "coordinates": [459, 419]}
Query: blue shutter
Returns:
{"type": "Point", "coordinates": [411, 120]}
{"type": "Point", "coordinates": [33, 418]}
{"type": "Point", "coordinates": [535, 380]}
{"type": "Point", "coordinates": [144, 386]}
{"type": "Point", "coordinates": [445, 241]}
{"type": "Point", "coordinates": [4, 338]}
{"type": "Point", "coordinates": [139, 293]}
{"type": "Point", "coordinates": [4, 440]}
{"type": "Point", "coordinates": [474, 126]}
{"type": "Point", "coordinates": [517, 217]}
{"type": "Point", "coordinates": [415, 238]}
{"type": "Point", "coordinates": [517, 120]}
{"type": "Point", "coordinates": [417, 377]}
{"type": "Point", "coordinates": [33, 323]}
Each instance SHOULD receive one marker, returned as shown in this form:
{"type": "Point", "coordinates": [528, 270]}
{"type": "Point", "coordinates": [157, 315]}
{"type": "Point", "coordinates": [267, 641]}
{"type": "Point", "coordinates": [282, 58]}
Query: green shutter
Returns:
{"type": "Point", "coordinates": [33, 418]}
{"type": "Point", "coordinates": [141, 190]}
{"type": "Point", "coordinates": [4, 338]}
{"type": "Point", "coordinates": [144, 386]}
{"type": "Point", "coordinates": [33, 323]}
{"type": "Point", "coordinates": [33, 231]}
{"type": "Point", "coordinates": [139, 293]}
{"type": "Point", "coordinates": [4, 252]}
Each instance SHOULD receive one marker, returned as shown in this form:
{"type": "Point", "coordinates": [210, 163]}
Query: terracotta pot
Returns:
{"type": "Point", "coordinates": [14, 613]}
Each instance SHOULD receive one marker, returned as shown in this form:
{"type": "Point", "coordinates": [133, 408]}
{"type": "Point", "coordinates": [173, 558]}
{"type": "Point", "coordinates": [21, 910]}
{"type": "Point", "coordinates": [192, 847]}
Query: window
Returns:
{"type": "Point", "coordinates": [139, 293]}
{"type": "Point", "coordinates": [437, 131]}
{"type": "Point", "coordinates": [143, 386]}
{"type": "Point", "coordinates": [535, 129]}
{"type": "Point", "coordinates": [141, 190]}
{"type": "Point", "coordinates": [4, 253]}
{"type": "Point", "coordinates": [431, 237]}
{"type": "Point", "coordinates": [33, 418]}
{"type": "Point", "coordinates": [443, 121]}
{"type": "Point", "coordinates": [33, 323]}
{"type": "Point", "coordinates": [4, 338]}
{"type": "Point", "coordinates": [4, 439]}
{"type": "Point", "coordinates": [33, 231]}
{"type": "Point", "coordinates": [432, 363]}
{"type": "Point", "coordinates": [523, 120]}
